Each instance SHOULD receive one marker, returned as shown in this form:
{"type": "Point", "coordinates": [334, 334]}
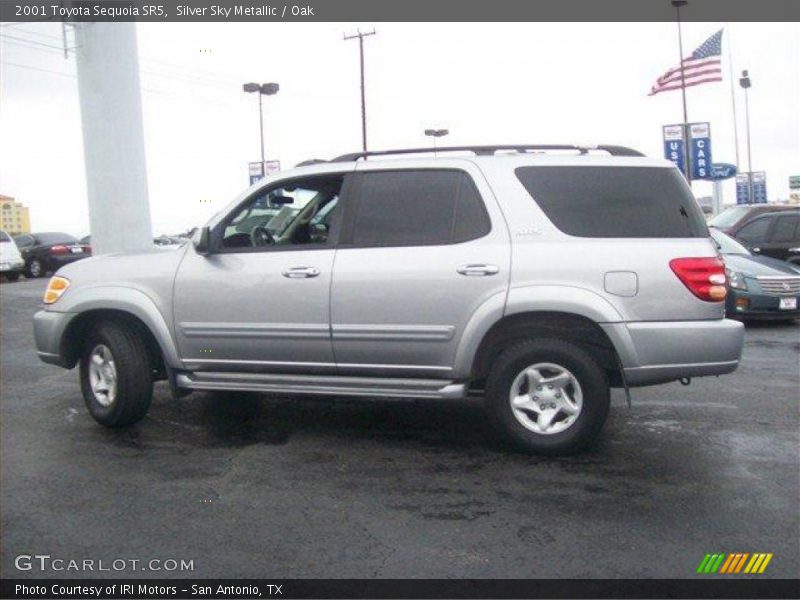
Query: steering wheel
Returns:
{"type": "Point", "coordinates": [261, 236]}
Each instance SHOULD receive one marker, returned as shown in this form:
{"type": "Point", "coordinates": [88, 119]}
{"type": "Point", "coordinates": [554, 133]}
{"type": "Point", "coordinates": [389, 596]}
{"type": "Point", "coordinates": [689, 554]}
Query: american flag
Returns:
{"type": "Point", "coordinates": [703, 66]}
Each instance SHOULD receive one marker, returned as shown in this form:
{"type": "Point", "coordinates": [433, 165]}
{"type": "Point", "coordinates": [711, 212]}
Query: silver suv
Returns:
{"type": "Point", "coordinates": [536, 276]}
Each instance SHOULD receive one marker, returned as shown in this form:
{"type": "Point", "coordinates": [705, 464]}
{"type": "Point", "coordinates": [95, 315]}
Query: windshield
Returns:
{"type": "Point", "coordinates": [728, 217]}
{"type": "Point", "coordinates": [727, 245]}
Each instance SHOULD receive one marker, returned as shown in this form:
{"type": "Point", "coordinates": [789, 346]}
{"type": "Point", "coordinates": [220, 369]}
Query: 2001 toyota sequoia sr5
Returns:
{"type": "Point", "coordinates": [539, 276]}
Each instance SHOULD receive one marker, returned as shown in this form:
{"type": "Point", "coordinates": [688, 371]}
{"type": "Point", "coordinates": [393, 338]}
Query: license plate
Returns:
{"type": "Point", "coordinates": [76, 250]}
{"type": "Point", "coordinates": [788, 304]}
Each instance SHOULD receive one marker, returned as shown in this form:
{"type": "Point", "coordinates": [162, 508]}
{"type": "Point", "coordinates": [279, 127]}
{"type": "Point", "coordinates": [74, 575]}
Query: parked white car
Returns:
{"type": "Point", "coordinates": [11, 263]}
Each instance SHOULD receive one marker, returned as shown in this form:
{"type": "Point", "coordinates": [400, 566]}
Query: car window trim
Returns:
{"type": "Point", "coordinates": [333, 235]}
{"type": "Point", "coordinates": [351, 209]}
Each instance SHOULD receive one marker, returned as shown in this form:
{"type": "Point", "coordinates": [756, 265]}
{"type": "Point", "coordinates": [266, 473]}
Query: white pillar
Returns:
{"type": "Point", "coordinates": [113, 137]}
{"type": "Point", "coordinates": [717, 204]}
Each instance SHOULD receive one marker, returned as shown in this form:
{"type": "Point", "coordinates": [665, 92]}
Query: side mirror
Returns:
{"type": "Point", "coordinates": [202, 241]}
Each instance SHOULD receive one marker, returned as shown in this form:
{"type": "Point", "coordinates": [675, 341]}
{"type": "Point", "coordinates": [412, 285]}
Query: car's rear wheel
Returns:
{"type": "Point", "coordinates": [548, 396]}
{"type": "Point", "coordinates": [34, 268]}
{"type": "Point", "coordinates": [12, 276]}
{"type": "Point", "coordinates": [116, 375]}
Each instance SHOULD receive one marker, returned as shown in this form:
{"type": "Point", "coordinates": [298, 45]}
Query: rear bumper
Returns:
{"type": "Point", "coordinates": [59, 260]}
{"type": "Point", "coordinates": [11, 266]}
{"type": "Point", "coordinates": [658, 352]}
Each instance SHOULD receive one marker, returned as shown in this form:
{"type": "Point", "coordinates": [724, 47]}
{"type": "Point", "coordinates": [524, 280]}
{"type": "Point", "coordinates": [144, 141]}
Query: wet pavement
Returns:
{"type": "Point", "coordinates": [268, 486]}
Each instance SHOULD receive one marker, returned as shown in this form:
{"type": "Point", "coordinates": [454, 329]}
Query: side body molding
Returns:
{"type": "Point", "coordinates": [532, 298]}
{"type": "Point", "coordinates": [130, 300]}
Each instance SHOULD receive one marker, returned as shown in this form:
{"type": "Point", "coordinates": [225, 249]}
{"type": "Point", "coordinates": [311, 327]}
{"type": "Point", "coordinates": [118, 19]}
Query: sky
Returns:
{"type": "Point", "coordinates": [583, 83]}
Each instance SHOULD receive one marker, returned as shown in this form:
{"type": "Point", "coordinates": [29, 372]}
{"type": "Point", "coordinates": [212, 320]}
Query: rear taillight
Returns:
{"type": "Point", "coordinates": [705, 277]}
{"type": "Point", "coordinates": [87, 249]}
{"type": "Point", "coordinates": [59, 250]}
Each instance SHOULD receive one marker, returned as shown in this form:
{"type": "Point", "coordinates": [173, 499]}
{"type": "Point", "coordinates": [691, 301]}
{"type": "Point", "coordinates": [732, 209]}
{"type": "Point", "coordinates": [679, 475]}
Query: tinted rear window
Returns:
{"type": "Point", "coordinates": [56, 238]}
{"type": "Point", "coordinates": [4, 237]}
{"type": "Point", "coordinates": [417, 207]}
{"type": "Point", "coordinates": [785, 229]}
{"type": "Point", "coordinates": [619, 202]}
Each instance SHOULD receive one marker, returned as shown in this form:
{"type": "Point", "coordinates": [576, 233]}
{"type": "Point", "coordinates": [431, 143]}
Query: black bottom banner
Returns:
{"type": "Point", "coordinates": [73, 589]}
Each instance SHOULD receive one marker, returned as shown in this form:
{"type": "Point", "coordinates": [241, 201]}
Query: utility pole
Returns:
{"type": "Point", "coordinates": [687, 160]}
{"type": "Point", "coordinates": [361, 37]}
{"type": "Point", "coordinates": [733, 97]}
{"type": "Point", "coordinates": [113, 137]}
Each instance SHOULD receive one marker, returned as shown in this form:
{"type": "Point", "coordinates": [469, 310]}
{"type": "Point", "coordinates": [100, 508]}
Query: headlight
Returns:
{"type": "Point", "coordinates": [55, 289]}
{"type": "Point", "coordinates": [736, 280]}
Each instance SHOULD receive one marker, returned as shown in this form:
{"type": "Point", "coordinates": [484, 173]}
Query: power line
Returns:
{"type": "Point", "coordinates": [22, 45]}
{"type": "Point", "coordinates": [19, 39]}
{"type": "Point", "coordinates": [143, 88]}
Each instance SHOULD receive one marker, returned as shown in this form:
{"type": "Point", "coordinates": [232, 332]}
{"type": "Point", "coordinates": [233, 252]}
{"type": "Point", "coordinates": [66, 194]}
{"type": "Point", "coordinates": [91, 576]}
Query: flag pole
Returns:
{"type": "Point", "coordinates": [733, 99]}
{"type": "Point", "coordinates": [687, 166]}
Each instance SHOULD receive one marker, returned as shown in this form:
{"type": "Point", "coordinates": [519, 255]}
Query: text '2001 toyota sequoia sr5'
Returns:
{"type": "Point", "coordinates": [540, 276]}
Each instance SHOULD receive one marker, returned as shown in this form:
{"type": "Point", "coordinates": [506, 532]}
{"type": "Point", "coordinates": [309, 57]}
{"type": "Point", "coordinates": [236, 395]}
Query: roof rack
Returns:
{"type": "Point", "coordinates": [491, 150]}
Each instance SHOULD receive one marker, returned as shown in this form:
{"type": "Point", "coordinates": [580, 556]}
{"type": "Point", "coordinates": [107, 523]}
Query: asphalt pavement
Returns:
{"type": "Point", "coordinates": [271, 486]}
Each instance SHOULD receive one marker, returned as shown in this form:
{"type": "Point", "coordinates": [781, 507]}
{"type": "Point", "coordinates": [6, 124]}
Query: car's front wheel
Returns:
{"type": "Point", "coordinates": [13, 276]}
{"type": "Point", "coordinates": [116, 376]}
{"type": "Point", "coordinates": [548, 396]}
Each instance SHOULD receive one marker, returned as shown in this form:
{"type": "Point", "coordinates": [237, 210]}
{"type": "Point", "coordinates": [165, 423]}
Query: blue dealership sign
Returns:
{"type": "Point", "coordinates": [759, 184]}
{"type": "Point", "coordinates": [700, 150]}
{"type": "Point", "coordinates": [742, 189]}
{"type": "Point", "coordinates": [759, 187]}
{"type": "Point", "coordinates": [720, 171]}
{"type": "Point", "coordinates": [674, 146]}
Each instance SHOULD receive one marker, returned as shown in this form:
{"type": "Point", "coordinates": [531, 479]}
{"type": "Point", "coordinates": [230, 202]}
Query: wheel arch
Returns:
{"type": "Point", "coordinates": [533, 310]}
{"type": "Point", "coordinates": [571, 327]}
{"type": "Point", "coordinates": [118, 303]}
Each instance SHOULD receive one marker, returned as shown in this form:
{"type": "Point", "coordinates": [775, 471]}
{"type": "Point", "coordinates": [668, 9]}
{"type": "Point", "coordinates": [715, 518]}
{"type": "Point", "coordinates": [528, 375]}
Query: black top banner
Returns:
{"type": "Point", "coordinates": [396, 10]}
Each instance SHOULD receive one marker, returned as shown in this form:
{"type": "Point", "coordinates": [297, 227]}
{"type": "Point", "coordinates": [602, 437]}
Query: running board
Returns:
{"type": "Point", "coordinates": [321, 384]}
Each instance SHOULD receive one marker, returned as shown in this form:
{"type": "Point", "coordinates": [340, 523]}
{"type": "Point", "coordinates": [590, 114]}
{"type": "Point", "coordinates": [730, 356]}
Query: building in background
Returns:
{"type": "Point", "coordinates": [14, 217]}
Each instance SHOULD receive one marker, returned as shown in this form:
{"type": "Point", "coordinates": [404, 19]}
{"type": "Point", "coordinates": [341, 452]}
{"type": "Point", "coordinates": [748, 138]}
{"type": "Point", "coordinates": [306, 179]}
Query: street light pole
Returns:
{"type": "Point", "coordinates": [687, 162]}
{"type": "Point", "coordinates": [261, 130]}
{"type": "Point", "coordinates": [361, 37]}
{"type": "Point", "coordinates": [745, 82]}
{"type": "Point", "coordinates": [435, 134]}
{"type": "Point", "coordinates": [264, 89]}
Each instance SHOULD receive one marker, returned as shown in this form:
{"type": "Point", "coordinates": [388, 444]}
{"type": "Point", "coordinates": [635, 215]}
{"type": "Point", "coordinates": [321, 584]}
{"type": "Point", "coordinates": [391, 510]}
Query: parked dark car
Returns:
{"type": "Point", "coordinates": [775, 234]}
{"type": "Point", "coordinates": [734, 218]}
{"type": "Point", "coordinates": [758, 286]}
{"type": "Point", "coordinates": [44, 252]}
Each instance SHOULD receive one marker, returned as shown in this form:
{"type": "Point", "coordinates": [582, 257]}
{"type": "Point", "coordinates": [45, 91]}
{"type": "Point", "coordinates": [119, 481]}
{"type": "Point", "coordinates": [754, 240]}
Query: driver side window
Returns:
{"type": "Point", "coordinates": [297, 214]}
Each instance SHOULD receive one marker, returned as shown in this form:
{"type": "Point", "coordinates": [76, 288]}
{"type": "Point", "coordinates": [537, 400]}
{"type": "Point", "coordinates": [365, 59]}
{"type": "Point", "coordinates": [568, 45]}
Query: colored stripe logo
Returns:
{"type": "Point", "coordinates": [737, 562]}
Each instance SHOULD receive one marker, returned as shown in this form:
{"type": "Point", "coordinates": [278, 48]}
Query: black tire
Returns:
{"type": "Point", "coordinates": [589, 375]}
{"type": "Point", "coordinates": [34, 268]}
{"type": "Point", "coordinates": [12, 276]}
{"type": "Point", "coordinates": [134, 375]}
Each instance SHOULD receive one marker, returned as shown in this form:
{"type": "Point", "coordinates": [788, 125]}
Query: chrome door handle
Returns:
{"type": "Point", "coordinates": [300, 272]}
{"type": "Point", "coordinates": [478, 270]}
